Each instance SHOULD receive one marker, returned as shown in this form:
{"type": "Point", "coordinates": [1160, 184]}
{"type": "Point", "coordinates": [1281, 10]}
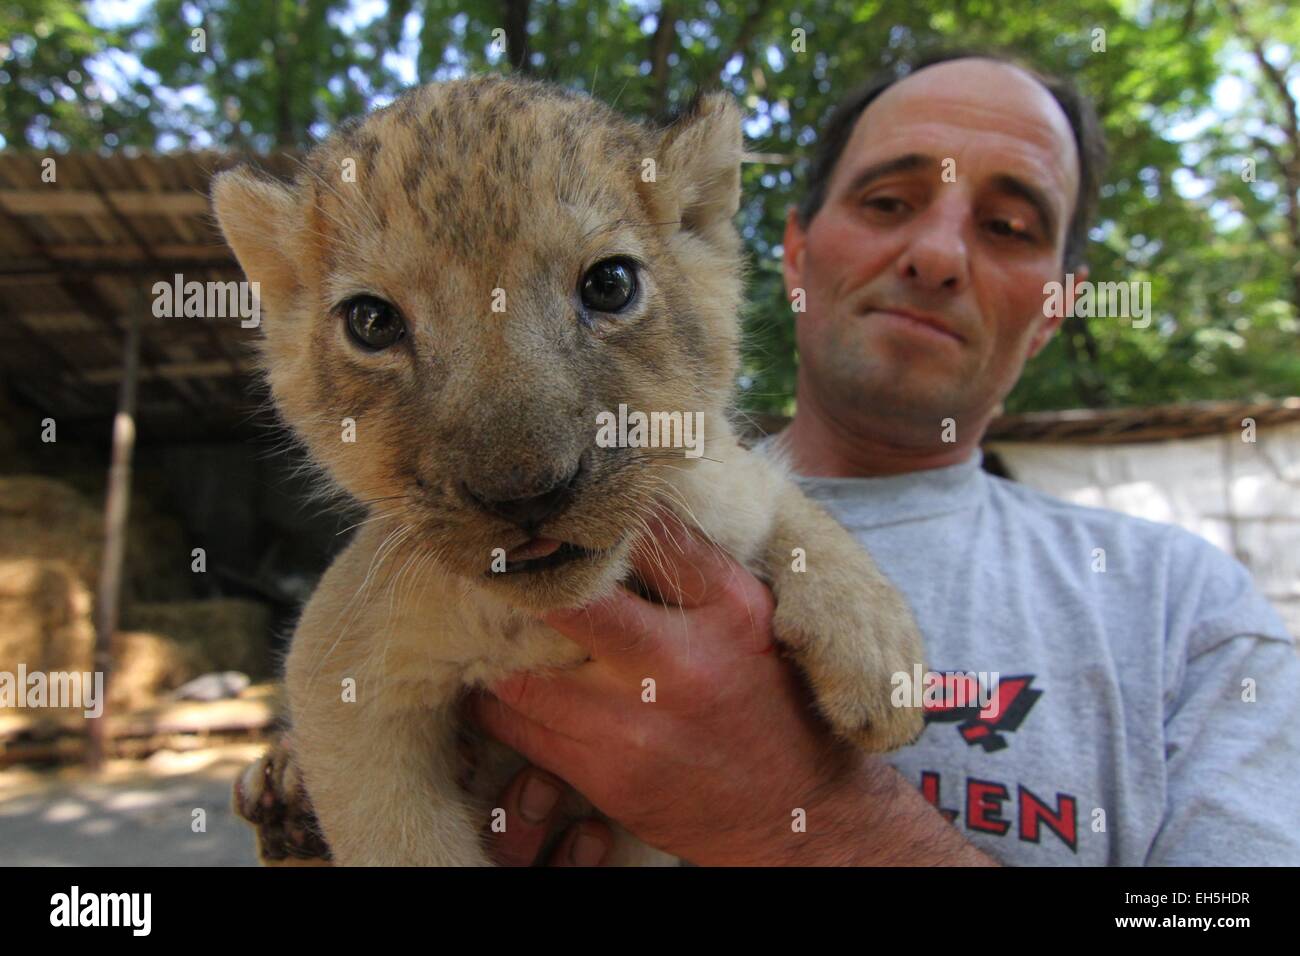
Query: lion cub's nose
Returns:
{"type": "Point", "coordinates": [526, 502]}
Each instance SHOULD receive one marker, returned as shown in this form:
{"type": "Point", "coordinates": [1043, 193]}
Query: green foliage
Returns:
{"type": "Point", "coordinates": [46, 93]}
{"type": "Point", "coordinates": [1219, 250]}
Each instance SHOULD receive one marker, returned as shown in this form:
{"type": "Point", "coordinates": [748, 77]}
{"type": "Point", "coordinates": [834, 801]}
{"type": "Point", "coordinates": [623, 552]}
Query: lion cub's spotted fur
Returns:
{"type": "Point", "coordinates": [462, 189]}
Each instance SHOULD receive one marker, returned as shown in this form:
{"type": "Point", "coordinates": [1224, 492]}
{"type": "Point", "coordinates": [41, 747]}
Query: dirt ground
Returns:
{"type": "Point", "coordinates": [136, 813]}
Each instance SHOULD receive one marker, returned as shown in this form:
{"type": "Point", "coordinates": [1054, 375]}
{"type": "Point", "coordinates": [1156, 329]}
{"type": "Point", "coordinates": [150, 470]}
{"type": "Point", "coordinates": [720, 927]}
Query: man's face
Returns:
{"type": "Point", "coordinates": [924, 269]}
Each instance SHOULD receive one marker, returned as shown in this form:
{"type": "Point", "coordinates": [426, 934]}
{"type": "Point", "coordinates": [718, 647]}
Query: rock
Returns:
{"type": "Point", "coordinates": [213, 687]}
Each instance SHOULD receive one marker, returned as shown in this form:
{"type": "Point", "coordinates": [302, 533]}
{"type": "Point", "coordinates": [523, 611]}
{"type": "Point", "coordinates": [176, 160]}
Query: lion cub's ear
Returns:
{"type": "Point", "coordinates": [699, 167]}
{"type": "Point", "coordinates": [259, 218]}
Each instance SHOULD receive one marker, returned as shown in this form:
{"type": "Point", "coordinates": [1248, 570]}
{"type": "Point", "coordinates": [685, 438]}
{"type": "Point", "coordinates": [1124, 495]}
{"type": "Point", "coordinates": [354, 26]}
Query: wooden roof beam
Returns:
{"type": "Point", "coordinates": [85, 297]}
{"type": "Point", "coordinates": [77, 202]}
{"type": "Point", "coordinates": [125, 224]}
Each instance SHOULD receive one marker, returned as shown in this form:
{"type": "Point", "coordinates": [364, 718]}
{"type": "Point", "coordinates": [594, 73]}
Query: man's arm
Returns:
{"type": "Point", "coordinates": [884, 821]}
{"type": "Point", "coordinates": [1231, 720]}
{"type": "Point", "coordinates": [726, 761]}
{"type": "Point", "coordinates": [1233, 752]}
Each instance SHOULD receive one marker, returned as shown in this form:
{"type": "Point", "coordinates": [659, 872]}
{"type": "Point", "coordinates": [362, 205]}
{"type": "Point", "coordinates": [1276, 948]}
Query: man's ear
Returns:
{"type": "Point", "coordinates": [258, 218]}
{"type": "Point", "coordinates": [1053, 322]}
{"type": "Point", "coordinates": [698, 167]}
{"type": "Point", "coordinates": [792, 251]}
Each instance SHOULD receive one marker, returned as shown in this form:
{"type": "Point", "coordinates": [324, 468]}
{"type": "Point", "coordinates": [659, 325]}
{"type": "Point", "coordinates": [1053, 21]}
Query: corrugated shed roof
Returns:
{"type": "Point", "coordinates": [1153, 423]}
{"type": "Point", "coordinates": [78, 251]}
{"type": "Point", "coordinates": [1113, 426]}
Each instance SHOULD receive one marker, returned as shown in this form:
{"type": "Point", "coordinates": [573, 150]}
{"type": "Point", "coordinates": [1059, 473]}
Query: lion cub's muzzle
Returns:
{"type": "Point", "coordinates": [526, 501]}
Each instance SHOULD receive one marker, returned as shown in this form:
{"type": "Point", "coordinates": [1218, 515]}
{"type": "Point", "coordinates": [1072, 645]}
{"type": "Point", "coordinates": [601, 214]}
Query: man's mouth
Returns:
{"type": "Point", "coordinates": [540, 554]}
{"type": "Point", "coordinates": [926, 321]}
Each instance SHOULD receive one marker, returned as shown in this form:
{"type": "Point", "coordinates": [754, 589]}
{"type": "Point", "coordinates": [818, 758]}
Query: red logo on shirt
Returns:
{"type": "Point", "coordinates": [988, 800]}
{"type": "Point", "coordinates": [1010, 701]}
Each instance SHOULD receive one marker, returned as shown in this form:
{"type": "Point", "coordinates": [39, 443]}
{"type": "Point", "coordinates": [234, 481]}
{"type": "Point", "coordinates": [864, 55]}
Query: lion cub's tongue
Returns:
{"type": "Point", "coordinates": [536, 548]}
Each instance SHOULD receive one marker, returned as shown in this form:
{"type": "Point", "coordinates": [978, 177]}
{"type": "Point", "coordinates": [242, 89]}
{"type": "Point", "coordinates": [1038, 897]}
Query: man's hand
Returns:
{"type": "Point", "coordinates": [690, 731]}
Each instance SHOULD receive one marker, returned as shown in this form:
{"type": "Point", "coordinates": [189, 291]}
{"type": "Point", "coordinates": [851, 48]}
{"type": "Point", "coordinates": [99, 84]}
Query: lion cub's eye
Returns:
{"type": "Point", "coordinates": [373, 323]}
{"type": "Point", "coordinates": [609, 285]}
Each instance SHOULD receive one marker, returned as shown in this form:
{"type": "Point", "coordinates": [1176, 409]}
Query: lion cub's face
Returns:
{"type": "Point", "coordinates": [472, 276]}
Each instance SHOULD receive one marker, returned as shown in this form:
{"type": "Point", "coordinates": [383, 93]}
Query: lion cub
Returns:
{"type": "Point", "coordinates": [456, 290]}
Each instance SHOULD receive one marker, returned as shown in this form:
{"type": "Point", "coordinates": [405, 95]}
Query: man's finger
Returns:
{"type": "Point", "coordinates": [568, 702]}
{"type": "Point", "coordinates": [633, 636]}
{"type": "Point", "coordinates": [585, 844]}
{"type": "Point", "coordinates": [620, 627]}
{"type": "Point", "coordinates": [541, 745]}
{"type": "Point", "coordinates": [531, 802]}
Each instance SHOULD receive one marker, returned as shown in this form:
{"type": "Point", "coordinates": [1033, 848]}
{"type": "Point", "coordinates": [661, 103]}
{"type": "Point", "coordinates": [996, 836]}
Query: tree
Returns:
{"type": "Point", "coordinates": [48, 95]}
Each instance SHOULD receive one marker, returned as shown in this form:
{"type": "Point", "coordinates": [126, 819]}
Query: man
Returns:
{"type": "Point", "coordinates": [1144, 705]}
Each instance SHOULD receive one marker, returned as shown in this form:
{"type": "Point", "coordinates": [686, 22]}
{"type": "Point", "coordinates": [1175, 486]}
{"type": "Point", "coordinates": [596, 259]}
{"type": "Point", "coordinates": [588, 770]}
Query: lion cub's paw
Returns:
{"type": "Point", "coordinates": [850, 646]}
{"type": "Point", "coordinates": [269, 794]}
{"type": "Point", "coordinates": [860, 711]}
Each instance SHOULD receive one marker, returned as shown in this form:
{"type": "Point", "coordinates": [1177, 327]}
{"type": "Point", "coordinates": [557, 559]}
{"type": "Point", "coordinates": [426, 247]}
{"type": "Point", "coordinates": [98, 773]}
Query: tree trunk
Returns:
{"type": "Point", "coordinates": [661, 44]}
{"type": "Point", "coordinates": [518, 50]}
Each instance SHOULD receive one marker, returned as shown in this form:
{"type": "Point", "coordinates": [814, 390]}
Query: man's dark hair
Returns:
{"type": "Point", "coordinates": [1088, 139]}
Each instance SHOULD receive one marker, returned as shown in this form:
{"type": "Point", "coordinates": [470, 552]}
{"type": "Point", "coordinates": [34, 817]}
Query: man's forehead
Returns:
{"type": "Point", "coordinates": [971, 101]}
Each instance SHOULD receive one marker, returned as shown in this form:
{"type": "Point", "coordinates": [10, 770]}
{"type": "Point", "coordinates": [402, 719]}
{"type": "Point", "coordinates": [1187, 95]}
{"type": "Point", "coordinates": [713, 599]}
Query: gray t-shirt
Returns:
{"type": "Point", "coordinates": [1147, 708]}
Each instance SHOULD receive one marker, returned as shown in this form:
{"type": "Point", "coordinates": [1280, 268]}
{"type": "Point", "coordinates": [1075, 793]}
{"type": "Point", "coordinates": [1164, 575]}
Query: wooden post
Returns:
{"type": "Point", "coordinates": [116, 509]}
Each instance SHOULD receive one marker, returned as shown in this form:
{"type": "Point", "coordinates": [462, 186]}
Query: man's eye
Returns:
{"type": "Point", "coordinates": [1011, 228]}
{"type": "Point", "coordinates": [373, 323]}
{"type": "Point", "coordinates": [610, 285]}
{"type": "Point", "coordinates": [888, 204]}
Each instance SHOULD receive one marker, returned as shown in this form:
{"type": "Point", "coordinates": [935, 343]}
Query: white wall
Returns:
{"type": "Point", "coordinates": [1243, 496]}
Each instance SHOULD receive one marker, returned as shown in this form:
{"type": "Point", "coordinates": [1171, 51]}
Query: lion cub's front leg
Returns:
{"type": "Point", "coordinates": [849, 629]}
{"type": "Point", "coordinates": [385, 788]}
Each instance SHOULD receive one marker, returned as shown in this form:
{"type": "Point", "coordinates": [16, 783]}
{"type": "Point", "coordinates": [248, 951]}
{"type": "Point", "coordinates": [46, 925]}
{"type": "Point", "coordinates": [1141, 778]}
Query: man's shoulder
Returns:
{"type": "Point", "coordinates": [1032, 505]}
{"type": "Point", "coordinates": [1213, 588]}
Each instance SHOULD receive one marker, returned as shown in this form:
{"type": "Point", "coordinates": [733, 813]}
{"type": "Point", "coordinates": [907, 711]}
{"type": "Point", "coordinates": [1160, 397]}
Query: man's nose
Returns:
{"type": "Point", "coordinates": [935, 260]}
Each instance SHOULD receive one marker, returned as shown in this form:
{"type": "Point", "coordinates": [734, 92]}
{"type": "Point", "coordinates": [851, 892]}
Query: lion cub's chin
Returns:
{"type": "Point", "coordinates": [573, 584]}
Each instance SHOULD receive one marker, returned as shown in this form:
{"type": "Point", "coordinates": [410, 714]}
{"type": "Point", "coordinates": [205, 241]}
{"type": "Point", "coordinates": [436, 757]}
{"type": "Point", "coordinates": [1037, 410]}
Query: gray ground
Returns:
{"type": "Point", "coordinates": [137, 813]}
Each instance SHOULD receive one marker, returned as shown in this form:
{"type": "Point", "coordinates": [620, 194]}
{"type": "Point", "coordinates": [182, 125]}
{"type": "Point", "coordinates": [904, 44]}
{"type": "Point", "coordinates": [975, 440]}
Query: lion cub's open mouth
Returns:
{"type": "Point", "coordinates": [540, 554]}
